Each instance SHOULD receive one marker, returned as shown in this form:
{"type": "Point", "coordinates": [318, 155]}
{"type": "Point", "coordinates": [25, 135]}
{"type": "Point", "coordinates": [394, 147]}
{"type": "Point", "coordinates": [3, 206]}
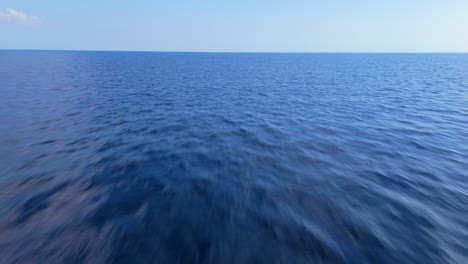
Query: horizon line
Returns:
{"type": "Point", "coordinates": [247, 52]}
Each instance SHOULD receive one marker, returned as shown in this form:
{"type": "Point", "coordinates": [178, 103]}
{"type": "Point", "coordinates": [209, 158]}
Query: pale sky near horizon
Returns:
{"type": "Point", "coordinates": [242, 26]}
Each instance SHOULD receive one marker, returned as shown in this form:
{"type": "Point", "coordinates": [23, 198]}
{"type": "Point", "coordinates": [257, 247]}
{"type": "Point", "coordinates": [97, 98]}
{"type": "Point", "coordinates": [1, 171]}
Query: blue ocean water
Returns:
{"type": "Point", "coordinates": [136, 157]}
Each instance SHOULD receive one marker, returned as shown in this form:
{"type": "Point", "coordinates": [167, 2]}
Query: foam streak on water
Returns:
{"type": "Point", "coordinates": [233, 158]}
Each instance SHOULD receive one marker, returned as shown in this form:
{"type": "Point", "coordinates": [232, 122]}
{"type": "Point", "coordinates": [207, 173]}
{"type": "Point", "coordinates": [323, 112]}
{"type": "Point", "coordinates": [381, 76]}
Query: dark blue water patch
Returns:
{"type": "Point", "coordinates": [128, 157]}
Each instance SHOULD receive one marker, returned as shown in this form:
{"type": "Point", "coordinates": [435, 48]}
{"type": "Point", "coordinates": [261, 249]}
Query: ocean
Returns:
{"type": "Point", "coordinates": [147, 157]}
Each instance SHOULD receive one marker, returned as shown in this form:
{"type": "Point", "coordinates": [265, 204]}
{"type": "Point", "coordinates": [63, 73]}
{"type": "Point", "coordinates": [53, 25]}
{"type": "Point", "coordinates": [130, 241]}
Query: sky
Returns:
{"type": "Point", "coordinates": [236, 26]}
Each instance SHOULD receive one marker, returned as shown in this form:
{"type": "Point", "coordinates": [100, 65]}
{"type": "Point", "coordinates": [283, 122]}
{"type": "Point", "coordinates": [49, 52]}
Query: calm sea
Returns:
{"type": "Point", "coordinates": [135, 157]}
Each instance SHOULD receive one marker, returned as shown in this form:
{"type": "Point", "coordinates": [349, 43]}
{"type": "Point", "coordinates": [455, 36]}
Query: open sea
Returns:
{"type": "Point", "coordinates": [140, 157]}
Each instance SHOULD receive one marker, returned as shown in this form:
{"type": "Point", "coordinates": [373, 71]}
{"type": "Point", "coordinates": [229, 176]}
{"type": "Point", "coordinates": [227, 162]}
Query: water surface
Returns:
{"type": "Point", "coordinates": [127, 157]}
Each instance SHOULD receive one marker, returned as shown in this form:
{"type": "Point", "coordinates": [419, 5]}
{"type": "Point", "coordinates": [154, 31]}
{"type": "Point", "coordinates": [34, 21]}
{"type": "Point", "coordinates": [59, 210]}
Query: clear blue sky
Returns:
{"type": "Point", "coordinates": [242, 25]}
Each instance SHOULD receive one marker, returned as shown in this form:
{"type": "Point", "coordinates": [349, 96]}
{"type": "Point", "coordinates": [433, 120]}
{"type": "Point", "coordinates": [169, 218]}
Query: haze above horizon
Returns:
{"type": "Point", "coordinates": [210, 26]}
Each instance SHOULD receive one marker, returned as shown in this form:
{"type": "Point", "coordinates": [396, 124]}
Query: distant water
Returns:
{"type": "Point", "coordinates": [233, 158]}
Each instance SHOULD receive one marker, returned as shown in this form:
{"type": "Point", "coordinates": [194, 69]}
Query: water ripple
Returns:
{"type": "Point", "coordinates": [233, 158]}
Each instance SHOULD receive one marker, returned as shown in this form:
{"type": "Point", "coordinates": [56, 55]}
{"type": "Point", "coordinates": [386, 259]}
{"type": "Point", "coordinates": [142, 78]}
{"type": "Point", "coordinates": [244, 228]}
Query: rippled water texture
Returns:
{"type": "Point", "coordinates": [233, 158]}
